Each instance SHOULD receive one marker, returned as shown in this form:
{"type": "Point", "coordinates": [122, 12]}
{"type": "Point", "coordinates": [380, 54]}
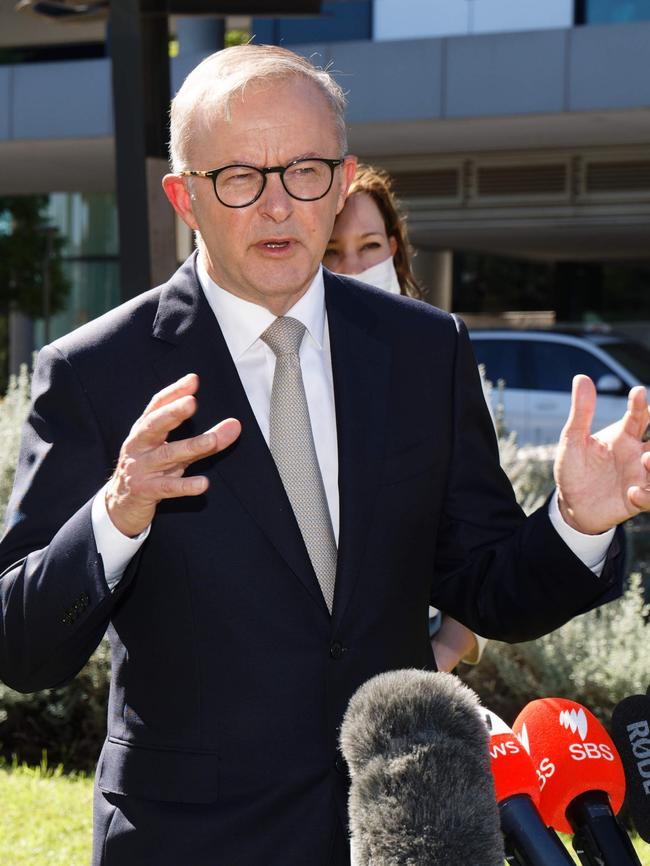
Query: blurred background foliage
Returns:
{"type": "Point", "coordinates": [596, 659]}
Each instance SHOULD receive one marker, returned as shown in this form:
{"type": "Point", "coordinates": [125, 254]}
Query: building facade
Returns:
{"type": "Point", "coordinates": [518, 134]}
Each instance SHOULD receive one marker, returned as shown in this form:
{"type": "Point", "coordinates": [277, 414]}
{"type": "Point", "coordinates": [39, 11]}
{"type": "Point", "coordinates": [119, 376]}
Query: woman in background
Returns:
{"type": "Point", "coordinates": [369, 242]}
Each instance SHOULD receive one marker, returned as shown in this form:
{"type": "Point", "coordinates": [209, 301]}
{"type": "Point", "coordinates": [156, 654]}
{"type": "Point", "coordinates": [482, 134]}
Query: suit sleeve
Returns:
{"type": "Point", "coordinates": [55, 601]}
{"type": "Point", "coordinates": [503, 575]}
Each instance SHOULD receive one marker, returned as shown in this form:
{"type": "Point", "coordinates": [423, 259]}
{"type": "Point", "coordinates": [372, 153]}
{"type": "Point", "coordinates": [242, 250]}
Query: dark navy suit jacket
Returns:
{"type": "Point", "coordinates": [230, 678]}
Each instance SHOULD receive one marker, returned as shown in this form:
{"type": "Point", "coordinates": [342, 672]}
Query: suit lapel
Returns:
{"type": "Point", "coordinates": [194, 343]}
{"type": "Point", "coordinates": [361, 365]}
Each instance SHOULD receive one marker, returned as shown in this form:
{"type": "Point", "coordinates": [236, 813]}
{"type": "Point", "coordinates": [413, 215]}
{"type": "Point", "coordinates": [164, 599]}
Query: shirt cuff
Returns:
{"type": "Point", "coordinates": [475, 656]}
{"type": "Point", "coordinates": [590, 549]}
{"type": "Point", "coordinates": [115, 549]}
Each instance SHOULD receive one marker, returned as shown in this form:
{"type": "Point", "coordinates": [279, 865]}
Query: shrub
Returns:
{"type": "Point", "coordinates": [68, 722]}
{"type": "Point", "coordinates": [13, 411]}
{"type": "Point", "coordinates": [593, 659]}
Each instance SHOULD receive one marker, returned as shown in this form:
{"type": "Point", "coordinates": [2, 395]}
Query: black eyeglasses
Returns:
{"type": "Point", "coordinates": [241, 185]}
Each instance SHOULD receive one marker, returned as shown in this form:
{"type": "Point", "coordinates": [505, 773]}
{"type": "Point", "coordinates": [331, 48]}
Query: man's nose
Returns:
{"type": "Point", "coordinates": [275, 201]}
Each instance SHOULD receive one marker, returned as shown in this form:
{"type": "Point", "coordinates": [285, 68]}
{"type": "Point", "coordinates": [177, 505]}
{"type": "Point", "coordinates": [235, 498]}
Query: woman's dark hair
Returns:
{"type": "Point", "coordinates": [378, 184]}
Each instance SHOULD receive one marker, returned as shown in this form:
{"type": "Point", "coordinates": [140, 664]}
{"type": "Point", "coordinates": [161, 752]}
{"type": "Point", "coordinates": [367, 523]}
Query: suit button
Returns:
{"type": "Point", "coordinates": [336, 650]}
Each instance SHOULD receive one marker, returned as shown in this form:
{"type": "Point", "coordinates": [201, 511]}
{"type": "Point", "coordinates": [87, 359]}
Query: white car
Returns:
{"type": "Point", "coordinates": [537, 368]}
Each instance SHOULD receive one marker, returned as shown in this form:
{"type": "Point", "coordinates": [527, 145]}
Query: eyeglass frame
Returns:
{"type": "Point", "coordinates": [213, 173]}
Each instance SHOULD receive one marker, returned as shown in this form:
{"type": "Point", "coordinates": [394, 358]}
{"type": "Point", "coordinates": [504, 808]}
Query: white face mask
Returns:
{"type": "Point", "coordinates": [382, 276]}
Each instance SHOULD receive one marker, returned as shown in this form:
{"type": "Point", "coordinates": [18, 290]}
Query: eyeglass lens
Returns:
{"type": "Point", "coordinates": [307, 179]}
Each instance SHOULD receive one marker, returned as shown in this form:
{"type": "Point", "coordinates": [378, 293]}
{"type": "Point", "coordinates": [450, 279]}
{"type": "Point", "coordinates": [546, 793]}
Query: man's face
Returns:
{"type": "Point", "coordinates": [269, 251]}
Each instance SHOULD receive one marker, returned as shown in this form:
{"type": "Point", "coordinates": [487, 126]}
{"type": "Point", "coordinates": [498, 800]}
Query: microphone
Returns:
{"type": "Point", "coordinates": [528, 841]}
{"type": "Point", "coordinates": [581, 778]}
{"type": "Point", "coordinates": [421, 790]}
{"type": "Point", "coordinates": [631, 733]}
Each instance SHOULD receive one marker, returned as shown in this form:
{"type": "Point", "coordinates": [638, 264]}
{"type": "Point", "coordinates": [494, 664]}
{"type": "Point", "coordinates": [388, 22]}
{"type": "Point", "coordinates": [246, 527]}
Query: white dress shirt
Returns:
{"type": "Point", "coordinates": [242, 323]}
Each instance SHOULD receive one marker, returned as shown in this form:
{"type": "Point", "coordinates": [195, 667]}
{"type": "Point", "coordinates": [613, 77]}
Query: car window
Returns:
{"type": "Point", "coordinates": [632, 356]}
{"type": "Point", "coordinates": [554, 365]}
{"type": "Point", "coordinates": [503, 359]}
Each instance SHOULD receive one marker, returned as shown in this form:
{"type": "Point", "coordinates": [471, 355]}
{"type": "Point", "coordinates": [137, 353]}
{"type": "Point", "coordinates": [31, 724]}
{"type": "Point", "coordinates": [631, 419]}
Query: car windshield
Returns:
{"type": "Point", "coordinates": [633, 356]}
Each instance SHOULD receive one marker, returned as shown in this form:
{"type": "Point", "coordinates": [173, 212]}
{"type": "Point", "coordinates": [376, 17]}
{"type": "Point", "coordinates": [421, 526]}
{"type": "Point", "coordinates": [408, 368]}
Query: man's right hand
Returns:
{"type": "Point", "coordinates": [151, 469]}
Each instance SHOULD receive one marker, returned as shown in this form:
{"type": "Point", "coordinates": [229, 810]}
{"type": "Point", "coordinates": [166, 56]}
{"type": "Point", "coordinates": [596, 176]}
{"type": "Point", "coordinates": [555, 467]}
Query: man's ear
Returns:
{"type": "Point", "coordinates": [181, 198]}
{"type": "Point", "coordinates": [349, 170]}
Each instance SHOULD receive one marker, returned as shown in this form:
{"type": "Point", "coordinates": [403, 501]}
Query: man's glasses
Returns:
{"type": "Point", "coordinates": [241, 185]}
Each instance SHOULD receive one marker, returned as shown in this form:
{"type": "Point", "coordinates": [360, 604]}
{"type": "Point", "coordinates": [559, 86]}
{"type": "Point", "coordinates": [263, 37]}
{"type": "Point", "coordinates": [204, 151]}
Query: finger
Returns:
{"type": "Point", "coordinates": [583, 406]}
{"type": "Point", "coordinates": [170, 487]}
{"type": "Point", "coordinates": [639, 497]}
{"type": "Point", "coordinates": [635, 420]}
{"type": "Point", "coordinates": [188, 384]}
{"type": "Point", "coordinates": [186, 451]}
{"type": "Point", "coordinates": [151, 430]}
{"type": "Point", "coordinates": [227, 432]}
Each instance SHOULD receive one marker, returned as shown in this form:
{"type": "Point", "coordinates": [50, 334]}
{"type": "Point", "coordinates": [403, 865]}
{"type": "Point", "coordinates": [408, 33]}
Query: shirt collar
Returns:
{"type": "Point", "coordinates": [242, 322]}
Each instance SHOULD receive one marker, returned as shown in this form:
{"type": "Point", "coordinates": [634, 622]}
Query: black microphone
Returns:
{"type": "Point", "coordinates": [528, 841]}
{"type": "Point", "coordinates": [631, 735]}
{"type": "Point", "coordinates": [422, 790]}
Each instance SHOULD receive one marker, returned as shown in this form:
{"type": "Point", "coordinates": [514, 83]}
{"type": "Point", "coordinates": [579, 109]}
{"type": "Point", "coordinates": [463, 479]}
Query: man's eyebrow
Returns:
{"type": "Point", "coordinates": [311, 155]}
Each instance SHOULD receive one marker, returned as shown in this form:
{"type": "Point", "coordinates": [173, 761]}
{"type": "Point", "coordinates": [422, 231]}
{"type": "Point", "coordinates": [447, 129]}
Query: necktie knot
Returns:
{"type": "Point", "coordinates": [284, 336]}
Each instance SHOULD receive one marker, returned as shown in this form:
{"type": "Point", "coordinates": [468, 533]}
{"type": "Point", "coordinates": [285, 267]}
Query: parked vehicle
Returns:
{"type": "Point", "coordinates": [538, 366]}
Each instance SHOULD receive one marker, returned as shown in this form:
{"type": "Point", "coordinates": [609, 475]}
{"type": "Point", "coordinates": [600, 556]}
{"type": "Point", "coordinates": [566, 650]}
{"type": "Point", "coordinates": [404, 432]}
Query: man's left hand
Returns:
{"type": "Point", "coordinates": [603, 479]}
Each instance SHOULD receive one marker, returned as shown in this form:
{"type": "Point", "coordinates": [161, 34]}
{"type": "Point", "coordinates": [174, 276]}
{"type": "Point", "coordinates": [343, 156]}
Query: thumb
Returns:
{"type": "Point", "coordinates": [583, 406]}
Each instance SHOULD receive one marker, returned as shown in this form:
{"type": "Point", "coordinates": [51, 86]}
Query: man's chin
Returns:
{"type": "Point", "coordinates": [285, 289]}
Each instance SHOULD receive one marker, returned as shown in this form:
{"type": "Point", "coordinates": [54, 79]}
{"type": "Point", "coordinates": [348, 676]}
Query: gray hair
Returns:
{"type": "Point", "coordinates": [207, 92]}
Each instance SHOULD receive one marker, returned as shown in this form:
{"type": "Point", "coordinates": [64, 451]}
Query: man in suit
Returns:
{"type": "Point", "coordinates": [248, 589]}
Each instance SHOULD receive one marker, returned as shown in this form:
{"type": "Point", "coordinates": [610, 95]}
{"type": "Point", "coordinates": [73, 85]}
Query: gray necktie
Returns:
{"type": "Point", "coordinates": [292, 446]}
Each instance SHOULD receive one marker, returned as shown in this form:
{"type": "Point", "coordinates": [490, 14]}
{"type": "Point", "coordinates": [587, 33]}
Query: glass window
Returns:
{"type": "Point", "coordinates": [607, 11]}
{"type": "Point", "coordinates": [87, 223]}
{"type": "Point", "coordinates": [503, 359]}
{"type": "Point", "coordinates": [634, 357]}
{"type": "Point", "coordinates": [554, 365]}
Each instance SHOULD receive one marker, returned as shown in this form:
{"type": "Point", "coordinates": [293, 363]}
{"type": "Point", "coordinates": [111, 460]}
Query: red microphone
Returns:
{"type": "Point", "coordinates": [527, 840]}
{"type": "Point", "coordinates": [581, 778]}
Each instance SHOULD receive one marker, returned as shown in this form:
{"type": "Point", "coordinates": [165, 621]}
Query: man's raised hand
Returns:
{"type": "Point", "coordinates": [150, 468]}
{"type": "Point", "coordinates": [604, 478]}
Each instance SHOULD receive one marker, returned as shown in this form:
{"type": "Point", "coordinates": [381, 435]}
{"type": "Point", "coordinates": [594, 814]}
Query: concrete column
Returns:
{"type": "Point", "coordinates": [21, 341]}
{"type": "Point", "coordinates": [434, 269]}
{"type": "Point", "coordinates": [162, 223]}
{"type": "Point", "coordinates": [184, 240]}
{"type": "Point", "coordinates": [200, 35]}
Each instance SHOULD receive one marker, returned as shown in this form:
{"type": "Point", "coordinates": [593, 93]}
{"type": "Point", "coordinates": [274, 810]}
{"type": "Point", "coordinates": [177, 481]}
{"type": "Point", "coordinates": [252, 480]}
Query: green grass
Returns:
{"type": "Point", "coordinates": [45, 817]}
{"type": "Point", "coordinates": [46, 820]}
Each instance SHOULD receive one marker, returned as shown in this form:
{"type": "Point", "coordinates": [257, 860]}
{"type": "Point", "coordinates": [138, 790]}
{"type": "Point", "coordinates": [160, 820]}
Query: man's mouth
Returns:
{"type": "Point", "coordinates": [276, 244]}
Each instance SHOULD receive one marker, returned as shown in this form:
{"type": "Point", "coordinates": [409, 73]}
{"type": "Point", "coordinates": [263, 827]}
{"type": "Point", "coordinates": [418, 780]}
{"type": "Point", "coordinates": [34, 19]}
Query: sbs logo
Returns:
{"type": "Point", "coordinates": [574, 721]}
